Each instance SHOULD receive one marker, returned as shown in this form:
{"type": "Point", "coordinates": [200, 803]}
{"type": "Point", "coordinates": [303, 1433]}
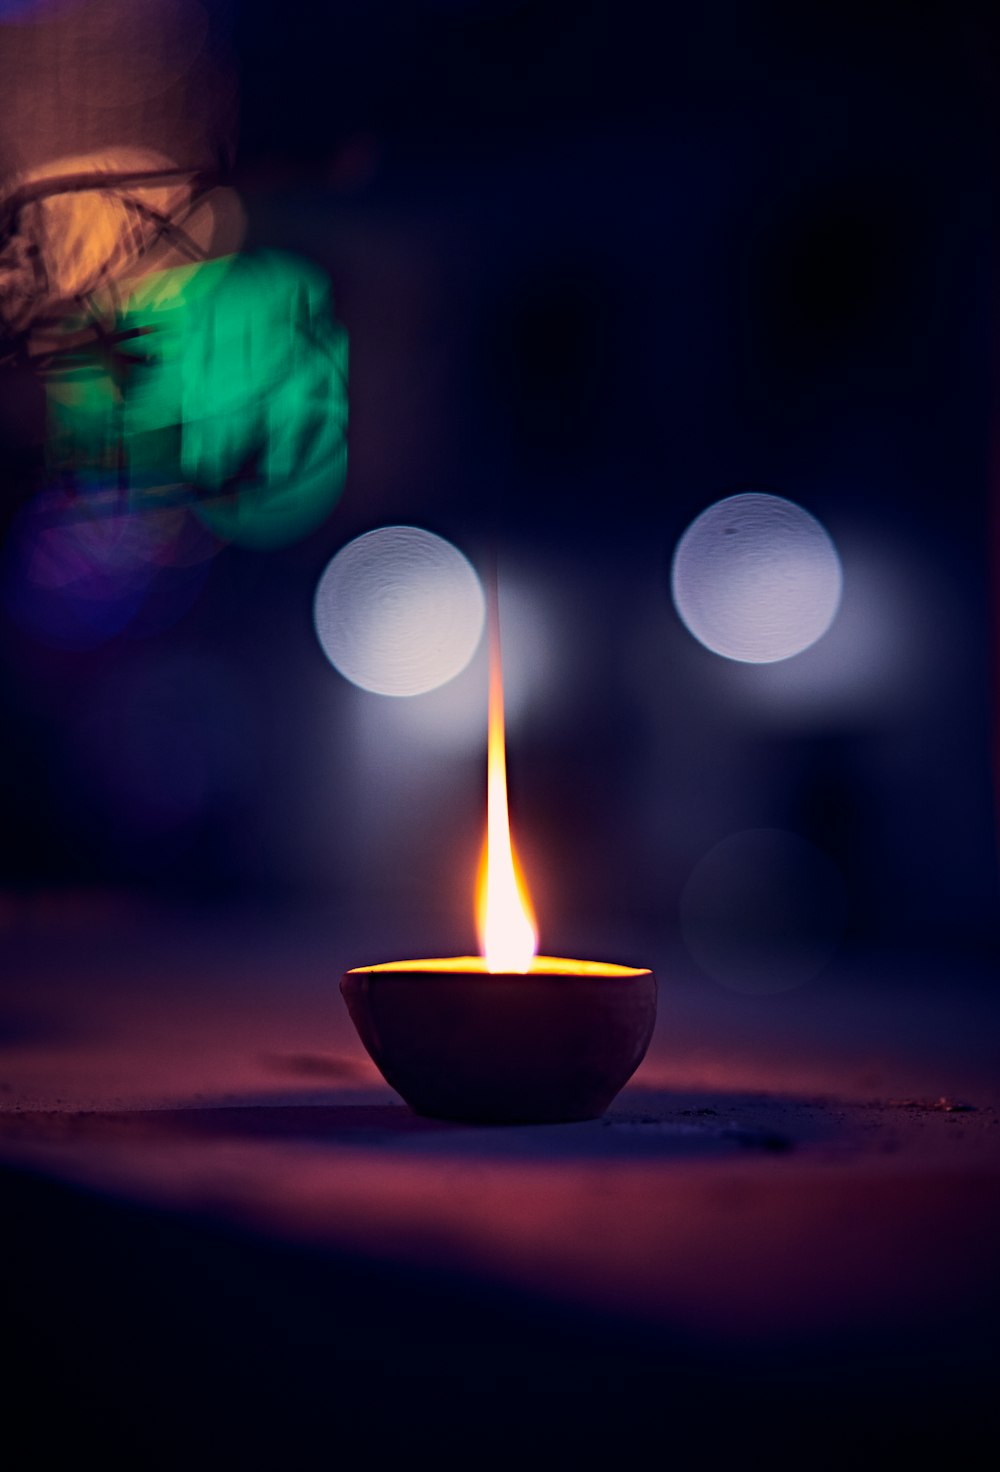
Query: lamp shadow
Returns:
{"type": "Point", "coordinates": [642, 1122]}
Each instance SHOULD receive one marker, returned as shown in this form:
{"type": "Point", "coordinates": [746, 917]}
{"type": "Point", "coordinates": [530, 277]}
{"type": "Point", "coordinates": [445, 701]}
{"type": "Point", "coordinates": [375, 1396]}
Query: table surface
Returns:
{"type": "Point", "coordinates": [801, 1193]}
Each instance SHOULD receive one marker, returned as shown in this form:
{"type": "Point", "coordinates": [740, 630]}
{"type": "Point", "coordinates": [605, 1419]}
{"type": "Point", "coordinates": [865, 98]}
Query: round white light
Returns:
{"type": "Point", "coordinates": [399, 611]}
{"type": "Point", "coordinates": [756, 578]}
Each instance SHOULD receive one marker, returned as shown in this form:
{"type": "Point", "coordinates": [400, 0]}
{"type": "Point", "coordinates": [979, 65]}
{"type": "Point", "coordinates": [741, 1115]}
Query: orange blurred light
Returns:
{"type": "Point", "coordinates": [508, 938]}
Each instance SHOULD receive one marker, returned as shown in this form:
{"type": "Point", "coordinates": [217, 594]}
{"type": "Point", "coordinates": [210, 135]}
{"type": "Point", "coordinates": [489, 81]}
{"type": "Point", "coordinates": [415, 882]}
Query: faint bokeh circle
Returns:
{"type": "Point", "coordinates": [399, 611]}
{"type": "Point", "coordinates": [756, 578]}
{"type": "Point", "coordinates": [763, 911]}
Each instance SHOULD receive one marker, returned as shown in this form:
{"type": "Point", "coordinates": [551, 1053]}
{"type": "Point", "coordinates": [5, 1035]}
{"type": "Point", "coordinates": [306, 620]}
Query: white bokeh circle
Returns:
{"type": "Point", "coordinates": [399, 611]}
{"type": "Point", "coordinates": [756, 578]}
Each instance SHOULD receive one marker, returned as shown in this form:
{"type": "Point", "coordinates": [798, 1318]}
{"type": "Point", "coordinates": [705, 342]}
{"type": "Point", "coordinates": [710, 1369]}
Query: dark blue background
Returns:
{"type": "Point", "coordinates": [598, 270]}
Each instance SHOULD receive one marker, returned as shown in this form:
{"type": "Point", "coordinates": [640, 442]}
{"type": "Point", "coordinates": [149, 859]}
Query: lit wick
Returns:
{"type": "Point", "coordinates": [545, 1039]}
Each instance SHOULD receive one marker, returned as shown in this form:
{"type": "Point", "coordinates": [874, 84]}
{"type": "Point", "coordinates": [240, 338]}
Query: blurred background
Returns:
{"type": "Point", "coordinates": [547, 282]}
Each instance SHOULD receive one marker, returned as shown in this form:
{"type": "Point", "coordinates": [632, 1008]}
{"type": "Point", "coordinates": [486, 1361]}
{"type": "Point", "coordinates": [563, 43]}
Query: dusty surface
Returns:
{"type": "Point", "coordinates": [801, 1180]}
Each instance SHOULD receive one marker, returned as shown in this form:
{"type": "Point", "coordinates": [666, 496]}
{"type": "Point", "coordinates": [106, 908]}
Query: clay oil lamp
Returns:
{"type": "Point", "coordinates": [506, 1037]}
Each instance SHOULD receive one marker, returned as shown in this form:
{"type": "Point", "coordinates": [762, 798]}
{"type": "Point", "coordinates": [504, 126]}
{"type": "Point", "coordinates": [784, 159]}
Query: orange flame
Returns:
{"type": "Point", "coordinates": [506, 923]}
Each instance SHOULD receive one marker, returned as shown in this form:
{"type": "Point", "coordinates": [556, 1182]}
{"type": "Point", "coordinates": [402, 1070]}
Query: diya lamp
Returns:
{"type": "Point", "coordinates": [506, 1037]}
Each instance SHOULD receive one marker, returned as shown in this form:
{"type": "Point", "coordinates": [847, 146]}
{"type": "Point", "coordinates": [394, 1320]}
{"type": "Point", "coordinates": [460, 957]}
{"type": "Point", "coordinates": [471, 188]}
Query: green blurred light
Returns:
{"type": "Point", "coordinates": [235, 383]}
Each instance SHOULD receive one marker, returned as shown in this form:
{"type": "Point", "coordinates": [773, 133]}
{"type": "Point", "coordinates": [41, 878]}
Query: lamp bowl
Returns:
{"type": "Point", "coordinates": [505, 1047]}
